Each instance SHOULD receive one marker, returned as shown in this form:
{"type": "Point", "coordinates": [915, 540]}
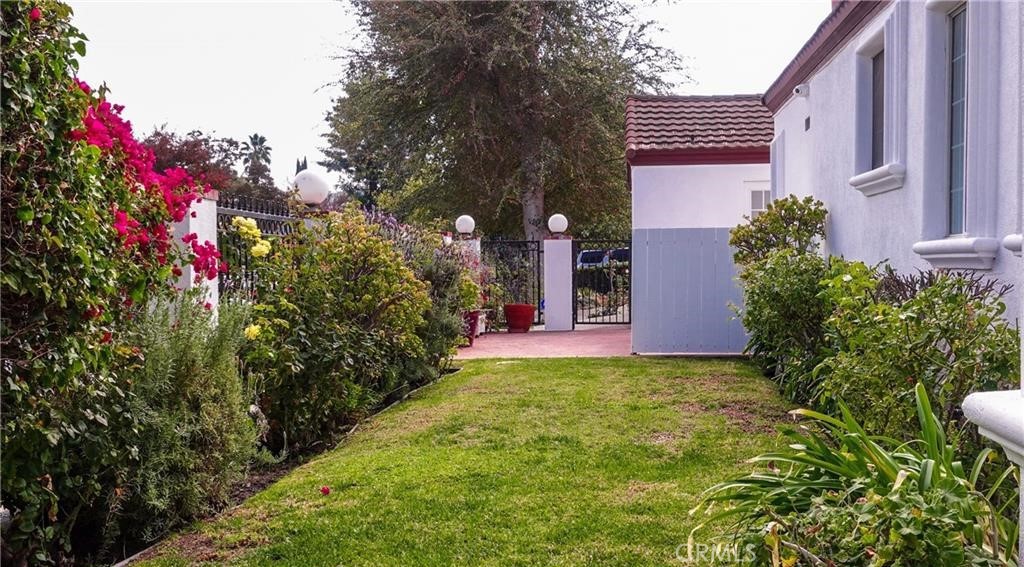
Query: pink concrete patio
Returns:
{"type": "Point", "coordinates": [585, 341]}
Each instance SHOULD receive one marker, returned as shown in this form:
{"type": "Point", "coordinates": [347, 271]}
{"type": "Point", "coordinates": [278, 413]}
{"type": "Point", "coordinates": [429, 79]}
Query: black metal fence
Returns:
{"type": "Point", "coordinates": [601, 282]}
{"type": "Point", "coordinates": [273, 219]}
{"type": "Point", "coordinates": [518, 266]}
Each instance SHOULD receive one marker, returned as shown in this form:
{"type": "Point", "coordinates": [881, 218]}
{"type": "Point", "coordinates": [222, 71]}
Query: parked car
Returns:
{"type": "Point", "coordinates": [619, 255]}
{"type": "Point", "coordinates": [592, 259]}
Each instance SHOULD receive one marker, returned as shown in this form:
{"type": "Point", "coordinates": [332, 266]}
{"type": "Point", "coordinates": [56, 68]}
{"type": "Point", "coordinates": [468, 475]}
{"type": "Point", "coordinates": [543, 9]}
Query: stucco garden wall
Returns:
{"type": "Point", "coordinates": [694, 196]}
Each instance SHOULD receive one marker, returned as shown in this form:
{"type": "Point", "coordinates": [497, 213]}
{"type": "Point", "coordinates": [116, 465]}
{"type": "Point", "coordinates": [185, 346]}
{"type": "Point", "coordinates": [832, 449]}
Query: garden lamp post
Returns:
{"type": "Point", "coordinates": [558, 224]}
{"type": "Point", "coordinates": [312, 187]}
{"type": "Point", "coordinates": [465, 225]}
{"type": "Point", "coordinates": [559, 266]}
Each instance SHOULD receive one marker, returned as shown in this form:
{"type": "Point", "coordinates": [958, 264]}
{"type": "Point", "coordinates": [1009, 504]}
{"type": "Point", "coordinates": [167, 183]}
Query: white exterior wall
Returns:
{"type": "Point", "coordinates": [694, 196]}
{"type": "Point", "coordinates": [885, 226]}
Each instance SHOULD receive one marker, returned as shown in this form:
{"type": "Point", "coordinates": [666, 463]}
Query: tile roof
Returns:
{"type": "Point", "coordinates": [681, 123]}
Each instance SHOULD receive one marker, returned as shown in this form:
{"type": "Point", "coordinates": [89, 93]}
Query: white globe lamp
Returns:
{"type": "Point", "coordinates": [465, 225]}
{"type": "Point", "coordinates": [558, 224]}
{"type": "Point", "coordinates": [313, 188]}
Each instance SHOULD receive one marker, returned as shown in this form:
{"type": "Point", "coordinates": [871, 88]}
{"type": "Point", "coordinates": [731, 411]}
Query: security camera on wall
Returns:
{"type": "Point", "coordinates": [802, 90]}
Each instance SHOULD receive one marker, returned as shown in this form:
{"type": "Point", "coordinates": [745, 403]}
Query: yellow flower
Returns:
{"type": "Point", "coordinates": [260, 249]}
{"type": "Point", "coordinates": [246, 228]}
{"type": "Point", "coordinates": [252, 332]}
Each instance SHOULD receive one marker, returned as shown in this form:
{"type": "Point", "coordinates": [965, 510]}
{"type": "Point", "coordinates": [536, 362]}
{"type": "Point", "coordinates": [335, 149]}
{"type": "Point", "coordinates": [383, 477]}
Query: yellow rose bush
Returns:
{"type": "Point", "coordinates": [336, 316]}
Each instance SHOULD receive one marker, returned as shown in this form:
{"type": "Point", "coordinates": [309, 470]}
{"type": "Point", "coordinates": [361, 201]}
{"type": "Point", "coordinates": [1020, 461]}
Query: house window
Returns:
{"type": "Point", "coordinates": [759, 199]}
{"type": "Point", "coordinates": [880, 97]}
{"type": "Point", "coordinates": [878, 110]}
{"type": "Point", "coordinates": [957, 118]}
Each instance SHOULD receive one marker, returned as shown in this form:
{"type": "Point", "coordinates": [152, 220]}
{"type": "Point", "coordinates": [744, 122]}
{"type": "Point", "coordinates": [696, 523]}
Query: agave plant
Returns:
{"type": "Point", "coordinates": [828, 498]}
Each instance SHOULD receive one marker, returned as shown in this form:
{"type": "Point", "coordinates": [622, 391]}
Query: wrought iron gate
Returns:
{"type": "Point", "coordinates": [601, 282]}
{"type": "Point", "coordinates": [516, 268]}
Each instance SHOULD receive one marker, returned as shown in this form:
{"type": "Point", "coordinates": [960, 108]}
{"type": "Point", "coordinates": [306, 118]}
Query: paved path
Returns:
{"type": "Point", "coordinates": [585, 341]}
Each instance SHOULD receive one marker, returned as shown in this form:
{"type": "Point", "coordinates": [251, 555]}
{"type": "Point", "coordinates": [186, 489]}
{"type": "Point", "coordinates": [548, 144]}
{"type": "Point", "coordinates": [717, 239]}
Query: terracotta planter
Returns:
{"type": "Point", "coordinates": [471, 324]}
{"type": "Point", "coordinates": [519, 317]}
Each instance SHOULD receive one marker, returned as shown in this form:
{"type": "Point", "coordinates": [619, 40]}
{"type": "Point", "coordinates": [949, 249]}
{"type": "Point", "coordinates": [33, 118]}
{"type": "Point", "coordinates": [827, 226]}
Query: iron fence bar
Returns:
{"type": "Point", "coordinates": [602, 281]}
{"type": "Point", "coordinates": [518, 265]}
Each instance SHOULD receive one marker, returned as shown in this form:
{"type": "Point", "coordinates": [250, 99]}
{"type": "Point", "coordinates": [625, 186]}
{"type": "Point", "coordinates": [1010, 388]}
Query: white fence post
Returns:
{"type": "Point", "coordinates": [204, 224]}
{"type": "Point", "coordinates": [558, 299]}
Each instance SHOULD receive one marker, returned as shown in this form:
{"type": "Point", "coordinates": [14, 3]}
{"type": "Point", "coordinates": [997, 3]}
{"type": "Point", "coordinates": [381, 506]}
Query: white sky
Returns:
{"type": "Point", "coordinates": [235, 68]}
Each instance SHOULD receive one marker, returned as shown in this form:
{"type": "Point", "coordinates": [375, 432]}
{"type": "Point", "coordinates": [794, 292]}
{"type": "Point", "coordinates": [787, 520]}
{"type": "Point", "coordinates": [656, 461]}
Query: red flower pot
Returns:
{"type": "Point", "coordinates": [519, 317]}
{"type": "Point", "coordinates": [471, 324]}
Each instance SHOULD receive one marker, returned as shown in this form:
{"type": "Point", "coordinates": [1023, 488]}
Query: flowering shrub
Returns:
{"type": "Point", "coordinates": [443, 267]}
{"type": "Point", "coordinates": [336, 315]}
{"type": "Point", "coordinates": [86, 240]}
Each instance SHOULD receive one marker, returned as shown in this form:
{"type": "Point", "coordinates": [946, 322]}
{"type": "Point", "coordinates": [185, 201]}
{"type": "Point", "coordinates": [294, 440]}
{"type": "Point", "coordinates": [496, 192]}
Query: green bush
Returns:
{"type": "Point", "coordinates": [948, 335]}
{"type": "Point", "coordinates": [445, 268]}
{"type": "Point", "coordinates": [788, 223]}
{"type": "Point", "coordinates": [839, 496]}
{"type": "Point", "coordinates": [784, 312]}
{"type": "Point", "coordinates": [195, 439]}
{"type": "Point", "coordinates": [336, 317]}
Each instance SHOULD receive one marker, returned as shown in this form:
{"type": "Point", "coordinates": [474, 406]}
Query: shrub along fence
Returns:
{"type": "Point", "coordinates": [131, 407]}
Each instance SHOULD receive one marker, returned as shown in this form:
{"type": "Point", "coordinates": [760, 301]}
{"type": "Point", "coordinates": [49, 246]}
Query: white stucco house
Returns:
{"type": "Point", "coordinates": [904, 117]}
{"type": "Point", "coordinates": [696, 166]}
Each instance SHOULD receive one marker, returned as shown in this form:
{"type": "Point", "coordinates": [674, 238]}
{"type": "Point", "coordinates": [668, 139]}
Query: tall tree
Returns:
{"type": "Point", "coordinates": [207, 158]}
{"type": "Point", "coordinates": [257, 181]}
{"type": "Point", "coordinates": [500, 109]}
{"type": "Point", "coordinates": [214, 161]}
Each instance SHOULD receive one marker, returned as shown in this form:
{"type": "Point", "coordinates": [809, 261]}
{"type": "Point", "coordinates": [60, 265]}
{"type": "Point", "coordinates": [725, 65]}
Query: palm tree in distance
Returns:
{"type": "Point", "coordinates": [256, 158]}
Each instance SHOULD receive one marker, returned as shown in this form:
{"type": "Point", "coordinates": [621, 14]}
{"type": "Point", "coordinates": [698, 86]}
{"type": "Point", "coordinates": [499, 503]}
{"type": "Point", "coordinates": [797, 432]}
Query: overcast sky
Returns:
{"type": "Point", "coordinates": [234, 68]}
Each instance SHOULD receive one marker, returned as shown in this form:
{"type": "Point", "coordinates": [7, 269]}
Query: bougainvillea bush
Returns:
{"type": "Point", "coordinates": [335, 316]}
{"type": "Point", "coordinates": [86, 241]}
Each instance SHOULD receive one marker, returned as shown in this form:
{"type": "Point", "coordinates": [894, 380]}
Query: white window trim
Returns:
{"type": "Point", "coordinates": [891, 35]}
{"type": "Point", "coordinates": [976, 248]}
{"type": "Point", "coordinates": [1013, 243]}
{"type": "Point", "coordinates": [777, 165]}
{"type": "Point", "coordinates": [966, 252]}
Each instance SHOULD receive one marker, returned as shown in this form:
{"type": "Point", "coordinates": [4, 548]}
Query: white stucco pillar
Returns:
{"type": "Point", "coordinates": [1000, 415]}
{"type": "Point", "coordinates": [558, 300]}
{"type": "Point", "coordinates": [204, 224]}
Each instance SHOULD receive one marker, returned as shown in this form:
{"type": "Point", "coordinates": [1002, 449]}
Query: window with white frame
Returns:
{"type": "Point", "coordinates": [878, 110]}
{"type": "Point", "coordinates": [959, 170]}
{"type": "Point", "coordinates": [759, 199]}
{"type": "Point", "coordinates": [957, 118]}
{"type": "Point", "coordinates": [881, 104]}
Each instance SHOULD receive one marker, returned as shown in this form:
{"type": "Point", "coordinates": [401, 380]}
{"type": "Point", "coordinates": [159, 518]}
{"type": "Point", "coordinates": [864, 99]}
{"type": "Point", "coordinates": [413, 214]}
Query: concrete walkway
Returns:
{"type": "Point", "coordinates": [585, 341]}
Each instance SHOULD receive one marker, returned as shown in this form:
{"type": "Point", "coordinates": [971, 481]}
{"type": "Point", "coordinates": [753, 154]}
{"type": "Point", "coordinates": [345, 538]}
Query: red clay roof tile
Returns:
{"type": "Point", "coordinates": [680, 123]}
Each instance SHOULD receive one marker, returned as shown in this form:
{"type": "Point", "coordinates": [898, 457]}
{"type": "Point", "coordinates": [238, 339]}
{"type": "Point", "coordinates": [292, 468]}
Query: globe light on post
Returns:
{"type": "Point", "coordinates": [312, 187]}
{"type": "Point", "coordinates": [558, 224]}
{"type": "Point", "coordinates": [465, 225]}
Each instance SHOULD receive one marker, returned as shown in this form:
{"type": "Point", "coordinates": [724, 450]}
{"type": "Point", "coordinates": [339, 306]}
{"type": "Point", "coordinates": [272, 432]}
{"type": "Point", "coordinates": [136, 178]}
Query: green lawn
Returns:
{"type": "Point", "coordinates": [519, 462]}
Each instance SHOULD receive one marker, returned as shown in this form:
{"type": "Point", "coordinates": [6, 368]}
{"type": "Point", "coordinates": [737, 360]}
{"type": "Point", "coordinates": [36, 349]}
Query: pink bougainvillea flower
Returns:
{"type": "Point", "coordinates": [325, 490]}
{"type": "Point", "coordinates": [36, 14]}
{"type": "Point", "coordinates": [208, 306]}
{"type": "Point", "coordinates": [106, 337]}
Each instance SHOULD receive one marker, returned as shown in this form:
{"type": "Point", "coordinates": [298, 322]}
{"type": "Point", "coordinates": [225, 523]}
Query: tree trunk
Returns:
{"type": "Point", "coordinates": [533, 211]}
{"type": "Point", "coordinates": [532, 137]}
